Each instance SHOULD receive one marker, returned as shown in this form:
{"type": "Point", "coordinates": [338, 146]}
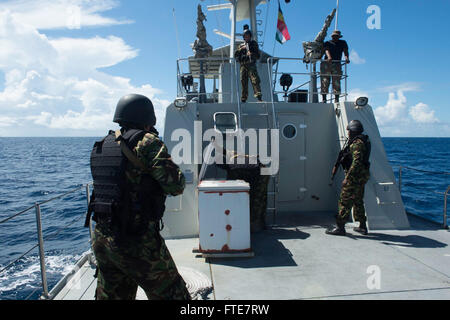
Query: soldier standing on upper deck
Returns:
{"type": "Point", "coordinates": [331, 67]}
{"type": "Point", "coordinates": [247, 54]}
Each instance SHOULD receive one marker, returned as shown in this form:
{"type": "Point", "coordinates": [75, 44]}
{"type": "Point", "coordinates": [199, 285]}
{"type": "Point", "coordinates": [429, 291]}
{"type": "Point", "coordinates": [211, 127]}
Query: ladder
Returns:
{"type": "Point", "coordinates": [273, 188]}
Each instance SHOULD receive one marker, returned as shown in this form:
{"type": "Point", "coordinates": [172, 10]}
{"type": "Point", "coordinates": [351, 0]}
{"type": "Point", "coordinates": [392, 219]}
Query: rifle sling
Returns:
{"type": "Point", "coordinates": [128, 153]}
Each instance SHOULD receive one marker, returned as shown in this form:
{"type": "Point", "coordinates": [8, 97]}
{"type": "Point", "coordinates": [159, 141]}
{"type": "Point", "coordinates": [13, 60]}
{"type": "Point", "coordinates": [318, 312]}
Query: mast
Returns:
{"type": "Point", "coordinates": [337, 15]}
{"type": "Point", "coordinates": [233, 27]}
{"type": "Point", "coordinates": [252, 13]}
{"type": "Point", "coordinates": [239, 10]}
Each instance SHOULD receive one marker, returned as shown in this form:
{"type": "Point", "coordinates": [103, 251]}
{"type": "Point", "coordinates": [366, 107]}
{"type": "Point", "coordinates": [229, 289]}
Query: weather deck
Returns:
{"type": "Point", "coordinates": [296, 260]}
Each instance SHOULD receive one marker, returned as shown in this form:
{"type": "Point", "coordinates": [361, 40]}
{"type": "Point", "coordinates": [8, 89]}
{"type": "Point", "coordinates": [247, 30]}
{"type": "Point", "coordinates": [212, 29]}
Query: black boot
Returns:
{"type": "Point", "coordinates": [339, 230]}
{"type": "Point", "coordinates": [336, 98]}
{"type": "Point", "coordinates": [324, 98]}
{"type": "Point", "coordinates": [361, 229]}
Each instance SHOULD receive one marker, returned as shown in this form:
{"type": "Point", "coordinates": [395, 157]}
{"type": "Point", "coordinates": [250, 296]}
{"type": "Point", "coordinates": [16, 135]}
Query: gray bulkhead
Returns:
{"type": "Point", "coordinates": [311, 135]}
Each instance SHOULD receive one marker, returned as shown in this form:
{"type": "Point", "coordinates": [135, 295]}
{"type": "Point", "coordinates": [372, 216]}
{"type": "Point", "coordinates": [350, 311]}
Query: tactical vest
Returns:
{"type": "Point", "coordinates": [347, 157]}
{"type": "Point", "coordinates": [242, 56]}
{"type": "Point", "coordinates": [111, 201]}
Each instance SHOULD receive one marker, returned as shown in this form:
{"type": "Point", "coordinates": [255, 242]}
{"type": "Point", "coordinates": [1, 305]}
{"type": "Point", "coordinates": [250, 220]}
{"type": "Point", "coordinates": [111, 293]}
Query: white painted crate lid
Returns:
{"type": "Point", "coordinates": [223, 185]}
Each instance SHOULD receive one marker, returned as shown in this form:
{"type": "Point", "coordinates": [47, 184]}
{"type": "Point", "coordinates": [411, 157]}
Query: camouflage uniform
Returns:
{"type": "Point", "coordinates": [352, 192]}
{"type": "Point", "coordinates": [141, 259]}
{"type": "Point", "coordinates": [249, 69]}
{"type": "Point", "coordinates": [326, 70]}
{"type": "Point", "coordinates": [251, 173]}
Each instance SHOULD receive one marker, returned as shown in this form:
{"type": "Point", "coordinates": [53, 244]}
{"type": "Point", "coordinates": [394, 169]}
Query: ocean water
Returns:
{"type": "Point", "coordinates": [33, 170]}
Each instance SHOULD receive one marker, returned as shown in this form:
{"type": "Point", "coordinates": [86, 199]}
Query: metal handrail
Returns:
{"type": "Point", "coordinates": [40, 237]}
{"type": "Point", "coordinates": [274, 74]}
{"type": "Point", "coordinates": [182, 92]}
{"type": "Point", "coordinates": [446, 193]}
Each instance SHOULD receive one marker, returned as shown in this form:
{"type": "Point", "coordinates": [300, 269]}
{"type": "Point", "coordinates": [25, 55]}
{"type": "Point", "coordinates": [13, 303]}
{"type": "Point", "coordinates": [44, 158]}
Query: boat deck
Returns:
{"type": "Point", "coordinates": [296, 260]}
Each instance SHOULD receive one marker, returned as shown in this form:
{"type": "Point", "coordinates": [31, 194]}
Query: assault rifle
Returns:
{"type": "Point", "coordinates": [338, 163]}
{"type": "Point", "coordinates": [247, 46]}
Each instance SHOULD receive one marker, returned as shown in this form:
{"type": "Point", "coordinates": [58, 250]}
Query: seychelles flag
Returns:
{"type": "Point", "coordinates": [282, 30]}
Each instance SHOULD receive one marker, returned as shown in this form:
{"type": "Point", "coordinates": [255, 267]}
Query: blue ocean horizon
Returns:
{"type": "Point", "coordinates": [34, 170]}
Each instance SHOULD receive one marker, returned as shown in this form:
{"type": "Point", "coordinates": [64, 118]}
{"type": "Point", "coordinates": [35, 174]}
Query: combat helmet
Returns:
{"type": "Point", "coordinates": [355, 127]}
{"type": "Point", "coordinates": [135, 110]}
{"type": "Point", "coordinates": [247, 31]}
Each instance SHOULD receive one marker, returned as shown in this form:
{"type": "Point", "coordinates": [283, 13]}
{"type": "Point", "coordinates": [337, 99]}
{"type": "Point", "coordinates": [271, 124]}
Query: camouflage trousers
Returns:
{"type": "Point", "coordinates": [352, 196]}
{"type": "Point", "coordinates": [331, 71]}
{"type": "Point", "coordinates": [143, 261]}
{"type": "Point", "coordinates": [258, 195]}
{"type": "Point", "coordinates": [246, 71]}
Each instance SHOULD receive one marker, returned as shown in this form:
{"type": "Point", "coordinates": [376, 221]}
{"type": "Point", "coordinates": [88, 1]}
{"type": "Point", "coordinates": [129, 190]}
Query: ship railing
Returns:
{"type": "Point", "coordinates": [445, 194]}
{"type": "Point", "coordinates": [307, 82]}
{"type": "Point", "coordinates": [208, 71]}
{"type": "Point", "coordinates": [46, 294]}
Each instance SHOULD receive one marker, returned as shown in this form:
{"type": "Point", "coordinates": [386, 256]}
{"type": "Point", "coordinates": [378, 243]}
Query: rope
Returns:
{"type": "Point", "coordinates": [17, 214]}
{"type": "Point", "coordinates": [23, 255]}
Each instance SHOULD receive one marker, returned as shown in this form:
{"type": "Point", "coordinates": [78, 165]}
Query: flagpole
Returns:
{"type": "Point", "coordinates": [274, 44]}
{"type": "Point", "coordinates": [337, 14]}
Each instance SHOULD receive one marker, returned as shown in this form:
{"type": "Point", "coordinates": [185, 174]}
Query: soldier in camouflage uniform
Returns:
{"type": "Point", "coordinates": [250, 173]}
{"type": "Point", "coordinates": [130, 252]}
{"type": "Point", "coordinates": [355, 161]}
{"type": "Point", "coordinates": [247, 54]}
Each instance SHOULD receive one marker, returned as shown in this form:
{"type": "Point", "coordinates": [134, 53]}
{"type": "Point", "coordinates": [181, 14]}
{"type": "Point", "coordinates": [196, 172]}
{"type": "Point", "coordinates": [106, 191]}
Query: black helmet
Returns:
{"type": "Point", "coordinates": [355, 126]}
{"type": "Point", "coordinates": [247, 31]}
{"type": "Point", "coordinates": [135, 110]}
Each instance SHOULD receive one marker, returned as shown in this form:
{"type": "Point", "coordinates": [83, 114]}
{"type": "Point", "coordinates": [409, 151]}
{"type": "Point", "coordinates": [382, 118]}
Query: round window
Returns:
{"type": "Point", "coordinates": [289, 131]}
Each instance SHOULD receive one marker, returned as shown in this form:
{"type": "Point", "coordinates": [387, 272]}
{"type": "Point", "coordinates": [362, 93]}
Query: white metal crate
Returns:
{"type": "Point", "coordinates": [224, 216]}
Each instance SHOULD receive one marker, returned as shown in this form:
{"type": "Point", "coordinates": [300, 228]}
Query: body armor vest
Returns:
{"type": "Point", "coordinates": [111, 199]}
{"type": "Point", "coordinates": [347, 157]}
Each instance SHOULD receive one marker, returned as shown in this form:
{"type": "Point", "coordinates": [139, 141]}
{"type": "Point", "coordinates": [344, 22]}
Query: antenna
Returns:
{"type": "Point", "coordinates": [176, 32]}
{"type": "Point", "coordinates": [337, 15]}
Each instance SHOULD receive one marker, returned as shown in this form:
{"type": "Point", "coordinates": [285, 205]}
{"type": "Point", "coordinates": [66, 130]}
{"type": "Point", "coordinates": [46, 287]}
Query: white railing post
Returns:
{"type": "Point", "coordinates": [41, 251]}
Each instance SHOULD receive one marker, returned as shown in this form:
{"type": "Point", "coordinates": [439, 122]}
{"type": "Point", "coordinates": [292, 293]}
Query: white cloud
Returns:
{"type": "Point", "coordinates": [355, 58]}
{"type": "Point", "coordinates": [421, 113]}
{"type": "Point", "coordinates": [57, 14]}
{"type": "Point", "coordinates": [395, 109]}
{"type": "Point", "coordinates": [403, 87]}
{"type": "Point", "coordinates": [396, 118]}
{"type": "Point", "coordinates": [7, 122]}
{"type": "Point", "coordinates": [57, 84]}
{"type": "Point", "coordinates": [356, 93]}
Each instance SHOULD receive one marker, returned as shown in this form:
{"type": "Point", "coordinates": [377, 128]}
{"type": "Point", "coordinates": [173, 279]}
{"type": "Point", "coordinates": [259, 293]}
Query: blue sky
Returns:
{"type": "Point", "coordinates": [63, 68]}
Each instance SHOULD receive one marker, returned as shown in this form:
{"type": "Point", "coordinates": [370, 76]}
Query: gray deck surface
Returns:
{"type": "Point", "coordinates": [297, 260]}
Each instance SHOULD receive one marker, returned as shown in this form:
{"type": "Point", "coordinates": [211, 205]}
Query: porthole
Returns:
{"type": "Point", "coordinates": [289, 131]}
